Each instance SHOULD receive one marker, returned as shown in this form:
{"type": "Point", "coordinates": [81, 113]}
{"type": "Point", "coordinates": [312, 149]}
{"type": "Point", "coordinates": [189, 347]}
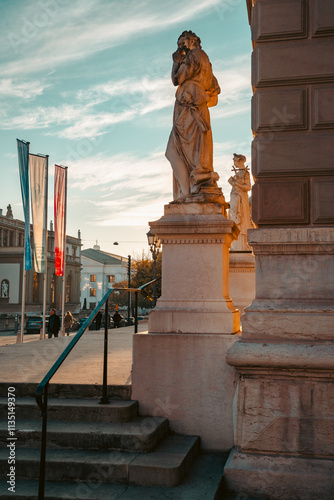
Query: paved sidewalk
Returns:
{"type": "Point", "coordinates": [30, 361]}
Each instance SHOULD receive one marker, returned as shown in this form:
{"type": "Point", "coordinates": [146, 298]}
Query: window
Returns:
{"type": "Point", "coordinates": [111, 278]}
{"type": "Point", "coordinates": [93, 292]}
{"type": "Point", "coordinates": [93, 278]}
{"type": "Point", "coordinates": [68, 289]}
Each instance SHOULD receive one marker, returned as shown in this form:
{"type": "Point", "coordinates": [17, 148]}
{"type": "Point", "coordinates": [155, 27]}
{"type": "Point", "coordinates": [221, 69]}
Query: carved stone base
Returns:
{"type": "Point", "coordinates": [242, 278]}
{"type": "Point", "coordinates": [195, 271]}
{"type": "Point", "coordinates": [284, 432]}
{"type": "Point", "coordinates": [294, 284]}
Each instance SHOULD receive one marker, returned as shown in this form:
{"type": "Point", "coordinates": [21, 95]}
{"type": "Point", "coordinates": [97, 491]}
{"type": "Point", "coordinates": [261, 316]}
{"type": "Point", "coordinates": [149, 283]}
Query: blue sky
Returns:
{"type": "Point", "coordinates": [88, 83]}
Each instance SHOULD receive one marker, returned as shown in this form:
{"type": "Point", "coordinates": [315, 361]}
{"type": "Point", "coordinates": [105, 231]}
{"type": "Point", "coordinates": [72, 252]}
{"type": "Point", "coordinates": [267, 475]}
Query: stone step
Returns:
{"type": "Point", "coordinates": [73, 410]}
{"type": "Point", "coordinates": [165, 466]}
{"type": "Point", "coordinates": [202, 483]}
{"type": "Point", "coordinates": [73, 391]}
{"type": "Point", "coordinates": [141, 434]}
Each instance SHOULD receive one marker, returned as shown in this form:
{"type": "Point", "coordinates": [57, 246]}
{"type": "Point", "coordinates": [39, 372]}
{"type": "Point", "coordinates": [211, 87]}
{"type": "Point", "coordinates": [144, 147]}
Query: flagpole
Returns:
{"type": "Point", "coordinates": [24, 280]}
{"type": "Point", "coordinates": [64, 264]}
{"type": "Point", "coordinates": [46, 242]}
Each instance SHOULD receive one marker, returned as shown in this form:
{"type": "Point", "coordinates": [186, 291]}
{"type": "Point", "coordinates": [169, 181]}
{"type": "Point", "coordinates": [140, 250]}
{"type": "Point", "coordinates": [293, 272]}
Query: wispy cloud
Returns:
{"type": "Point", "coordinates": [25, 90]}
{"type": "Point", "coordinates": [91, 26]}
{"type": "Point", "coordinates": [123, 189]}
{"type": "Point", "coordinates": [126, 99]}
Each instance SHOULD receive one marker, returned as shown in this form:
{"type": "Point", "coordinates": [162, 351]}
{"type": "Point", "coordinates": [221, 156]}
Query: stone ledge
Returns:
{"type": "Point", "coordinates": [317, 356]}
{"type": "Point", "coordinates": [277, 476]}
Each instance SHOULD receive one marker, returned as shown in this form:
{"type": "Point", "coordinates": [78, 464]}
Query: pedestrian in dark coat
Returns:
{"type": "Point", "coordinates": [117, 318]}
{"type": "Point", "coordinates": [54, 324]}
{"type": "Point", "coordinates": [98, 319]}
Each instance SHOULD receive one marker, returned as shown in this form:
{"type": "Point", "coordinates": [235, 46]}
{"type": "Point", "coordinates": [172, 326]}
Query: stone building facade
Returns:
{"type": "Point", "coordinates": [11, 272]}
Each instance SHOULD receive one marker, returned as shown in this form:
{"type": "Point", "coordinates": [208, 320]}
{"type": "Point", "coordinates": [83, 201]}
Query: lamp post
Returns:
{"type": "Point", "coordinates": [155, 245]}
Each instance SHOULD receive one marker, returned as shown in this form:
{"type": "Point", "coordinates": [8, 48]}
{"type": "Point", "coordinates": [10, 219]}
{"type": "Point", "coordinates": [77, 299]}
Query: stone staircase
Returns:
{"type": "Point", "coordinates": [102, 451]}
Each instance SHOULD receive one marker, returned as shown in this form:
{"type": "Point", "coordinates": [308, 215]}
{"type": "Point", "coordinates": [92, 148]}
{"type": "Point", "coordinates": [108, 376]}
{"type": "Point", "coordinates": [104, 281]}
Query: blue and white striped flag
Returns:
{"type": "Point", "coordinates": [23, 157]}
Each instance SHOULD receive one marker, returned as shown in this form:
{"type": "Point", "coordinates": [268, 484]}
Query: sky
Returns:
{"type": "Point", "coordinates": [87, 82]}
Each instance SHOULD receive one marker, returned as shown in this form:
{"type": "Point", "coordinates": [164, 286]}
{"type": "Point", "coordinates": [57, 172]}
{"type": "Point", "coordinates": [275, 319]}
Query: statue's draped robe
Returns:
{"type": "Point", "coordinates": [191, 136]}
{"type": "Point", "coordinates": [239, 208]}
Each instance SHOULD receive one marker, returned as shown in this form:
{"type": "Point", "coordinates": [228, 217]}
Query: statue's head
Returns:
{"type": "Point", "coordinates": [239, 160]}
{"type": "Point", "coordinates": [189, 40]}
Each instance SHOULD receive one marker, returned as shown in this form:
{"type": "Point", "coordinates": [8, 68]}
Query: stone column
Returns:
{"type": "Point", "coordinates": [285, 412]}
{"type": "Point", "coordinates": [179, 369]}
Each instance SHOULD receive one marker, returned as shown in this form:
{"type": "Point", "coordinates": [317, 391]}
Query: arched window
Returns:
{"type": "Point", "coordinates": [5, 289]}
{"type": "Point", "coordinates": [68, 289]}
{"type": "Point", "coordinates": [35, 288]}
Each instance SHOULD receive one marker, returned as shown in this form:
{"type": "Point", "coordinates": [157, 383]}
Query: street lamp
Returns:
{"type": "Point", "coordinates": [155, 245]}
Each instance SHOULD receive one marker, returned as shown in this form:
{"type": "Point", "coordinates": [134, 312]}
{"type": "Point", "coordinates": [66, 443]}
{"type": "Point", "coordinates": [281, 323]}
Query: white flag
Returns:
{"type": "Point", "coordinates": [38, 188]}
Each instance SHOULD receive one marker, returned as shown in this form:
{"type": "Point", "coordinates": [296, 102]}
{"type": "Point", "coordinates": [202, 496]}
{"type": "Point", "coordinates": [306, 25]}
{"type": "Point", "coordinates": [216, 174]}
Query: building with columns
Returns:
{"type": "Point", "coordinates": [11, 271]}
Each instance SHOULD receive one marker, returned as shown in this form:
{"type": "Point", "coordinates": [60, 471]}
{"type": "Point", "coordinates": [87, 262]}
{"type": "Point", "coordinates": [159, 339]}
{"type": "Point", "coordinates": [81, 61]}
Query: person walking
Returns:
{"type": "Point", "coordinates": [68, 322]}
{"type": "Point", "coordinates": [117, 319]}
{"type": "Point", "coordinates": [98, 319]}
{"type": "Point", "coordinates": [54, 324]}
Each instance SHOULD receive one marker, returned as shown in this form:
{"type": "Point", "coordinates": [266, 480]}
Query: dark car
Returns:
{"type": "Point", "coordinates": [34, 324]}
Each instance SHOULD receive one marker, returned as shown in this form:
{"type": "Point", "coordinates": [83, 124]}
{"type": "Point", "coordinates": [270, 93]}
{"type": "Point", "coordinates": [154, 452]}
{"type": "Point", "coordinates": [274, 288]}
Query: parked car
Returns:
{"type": "Point", "coordinates": [78, 324]}
{"type": "Point", "coordinates": [126, 322]}
{"type": "Point", "coordinates": [34, 324]}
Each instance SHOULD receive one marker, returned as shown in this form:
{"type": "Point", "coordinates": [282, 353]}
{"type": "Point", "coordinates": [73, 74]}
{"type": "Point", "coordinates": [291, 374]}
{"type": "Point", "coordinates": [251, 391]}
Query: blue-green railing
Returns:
{"type": "Point", "coordinates": [42, 389]}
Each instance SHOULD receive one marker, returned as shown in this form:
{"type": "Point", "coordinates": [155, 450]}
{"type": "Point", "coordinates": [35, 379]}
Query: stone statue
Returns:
{"type": "Point", "coordinates": [239, 203]}
{"type": "Point", "coordinates": [190, 145]}
{"type": "Point", "coordinates": [4, 290]}
{"type": "Point", "coordinates": [9, 212]}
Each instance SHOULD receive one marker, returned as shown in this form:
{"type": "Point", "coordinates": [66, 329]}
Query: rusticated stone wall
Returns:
{"type": "Point", "coordinates": [293, 112]}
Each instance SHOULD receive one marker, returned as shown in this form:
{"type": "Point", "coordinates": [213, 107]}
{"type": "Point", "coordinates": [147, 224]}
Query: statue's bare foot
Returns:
{"type": "Point", "coordinates": [181, 198]}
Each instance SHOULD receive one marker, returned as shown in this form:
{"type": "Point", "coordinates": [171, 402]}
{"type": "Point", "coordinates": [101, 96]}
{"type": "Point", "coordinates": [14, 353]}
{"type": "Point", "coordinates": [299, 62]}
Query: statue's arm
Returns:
{"type": "Point", "coordinates": [213, 93]}
{"type": "Point", "coordinates": [184, 67]}
{"type": "Point", "coordinates": [244, 183]}
{"type": "Point", "coordinates": [177, 59]}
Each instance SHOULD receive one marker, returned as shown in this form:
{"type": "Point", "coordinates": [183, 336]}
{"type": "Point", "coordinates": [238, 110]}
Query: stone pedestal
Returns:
{"type": "Point", "coordinates": [195, 298]}
{"type": "Point", "coordinates": [242, 278]}
{"type": "Point", "coordinates": [285, 409]}
{"type": "Point", "coordinates": [185, 378]}
{"type": "Point", "coordinates": [179, 368]}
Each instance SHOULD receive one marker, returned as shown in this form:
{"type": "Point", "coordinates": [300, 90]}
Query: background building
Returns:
{"type": "Point", "coordinates": [99, 271]}
{"type": "Point", "coordinates": [11, 271]}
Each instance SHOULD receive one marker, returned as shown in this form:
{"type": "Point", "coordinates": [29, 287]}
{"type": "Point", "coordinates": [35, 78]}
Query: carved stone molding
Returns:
{"type": "Point", "coordinates": [280, 201]}
{"type": "Point", "coordinates": [279, 20]}
{"type": "Point", "coordinates": [322, 18]}
{"type": "Point", "coordinates": [292, 154]}
{"type": "Point", "coordinates": [306, 62]}
{"type": "Point", "coordinates": [322, 190]}
{"type": "Point", "coordinates": [323, 107]}
{"type": "Point", "coordinates": [288, 240]}
{"type": "Point", "coordinates": [279, 110]}
{"type": "Point", "coordinates": [196, 241]}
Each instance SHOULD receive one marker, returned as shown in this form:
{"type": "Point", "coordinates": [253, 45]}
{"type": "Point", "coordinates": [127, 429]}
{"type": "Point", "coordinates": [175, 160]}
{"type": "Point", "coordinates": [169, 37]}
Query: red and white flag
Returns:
{"type": "Point", "coordinates": [60, 218]}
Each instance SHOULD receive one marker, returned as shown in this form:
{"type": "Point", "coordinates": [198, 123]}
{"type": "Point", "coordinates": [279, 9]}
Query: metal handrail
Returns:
{"type": "Point", "coordinates": [42, 389]}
